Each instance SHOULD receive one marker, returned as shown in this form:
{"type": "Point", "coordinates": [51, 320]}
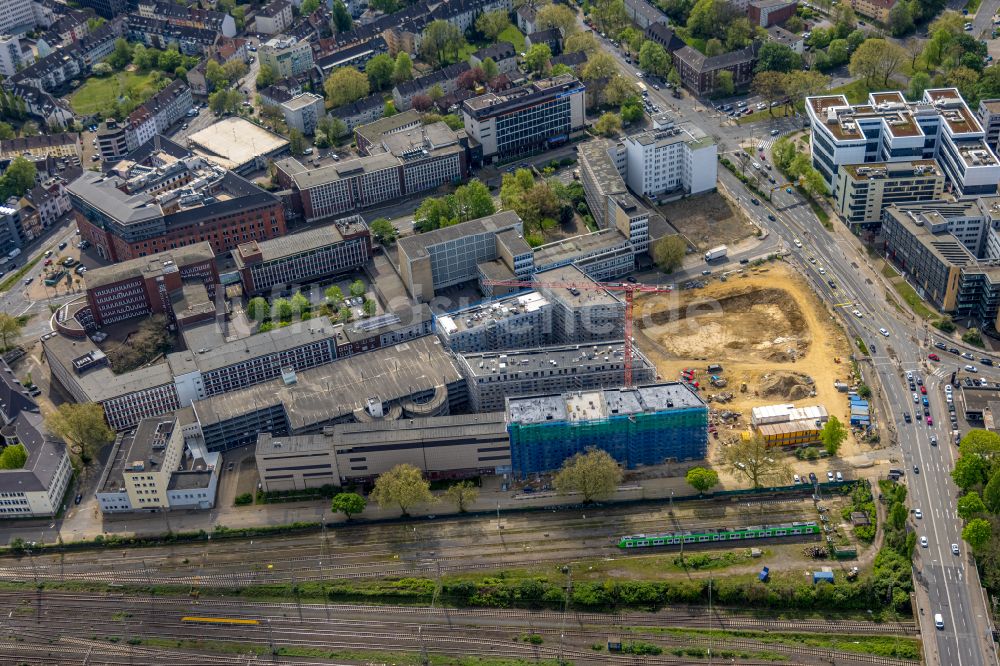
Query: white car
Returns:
{"type": "Point", "coordinates": [797, 242]}
{"type": "Point", "coordinates": [916, 398]}
{"type": "Point", "coordinates": [884, 332]}
{"type": "Point", "coordinates": [917, 513]}
{"type": "Point", "coordinates": [829, 476]}
{"type": "Point", "coordinates": [947, 388]}
{"type": "Point", "coordinates": [923, 542]}
{"type": "Point", "coordinates": [822, 271]}
{"type": "Point", "coordinates": [971, 368]}
{"type": "Point", "coordinates": [909, 376]}
{"type": "Point", "coordinates": [954, 549]}
{"type": "Point", "coordinates": [797, 479]}
{"type": "Point", "coordinates": [857, 313]}
{"type": "Point", "coordinates": [840, 477]}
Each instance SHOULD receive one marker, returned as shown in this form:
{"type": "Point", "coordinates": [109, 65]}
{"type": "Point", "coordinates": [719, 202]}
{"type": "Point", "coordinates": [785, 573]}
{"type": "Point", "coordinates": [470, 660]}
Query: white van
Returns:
{"type": "Point", "coordinates": [938, 621]}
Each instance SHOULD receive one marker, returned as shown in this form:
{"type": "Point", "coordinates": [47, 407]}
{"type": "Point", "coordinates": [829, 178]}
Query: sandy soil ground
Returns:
{"type": "Point", "coordinates": [769, 331]}
{"type": "Point", "coordinates": [707, 220]}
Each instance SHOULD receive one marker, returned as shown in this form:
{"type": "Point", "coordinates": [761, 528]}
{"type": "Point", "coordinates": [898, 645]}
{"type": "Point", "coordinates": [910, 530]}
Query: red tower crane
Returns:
{"type": "Point", "coordinates": [628, 288]}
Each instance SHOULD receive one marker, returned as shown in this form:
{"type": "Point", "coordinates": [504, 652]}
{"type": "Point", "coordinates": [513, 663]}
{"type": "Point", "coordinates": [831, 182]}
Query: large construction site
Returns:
{"type": "Point", "coordinates": [774, 339]}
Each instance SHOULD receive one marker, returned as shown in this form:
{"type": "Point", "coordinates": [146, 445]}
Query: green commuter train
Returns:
{"type": "Point", "coordinates": [720, 534]}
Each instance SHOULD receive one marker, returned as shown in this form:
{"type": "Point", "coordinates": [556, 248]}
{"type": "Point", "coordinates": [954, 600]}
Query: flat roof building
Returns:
{"type": "Point", "coordinates": [494, 376]}
{"type": "Point", "coordinates": [581, 315]}
{"type": "Point", "coordinates": [647, 425]}
{"type": "Point", "coordinates": [863, 192]}
{"type": "Point", "coordinates": [676, 157]}
{"type": "Point", "coordinates": [516, 322]}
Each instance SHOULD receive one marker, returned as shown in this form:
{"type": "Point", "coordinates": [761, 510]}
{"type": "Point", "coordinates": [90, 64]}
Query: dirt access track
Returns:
{"type": "Point", "coordinates": [766, 328]}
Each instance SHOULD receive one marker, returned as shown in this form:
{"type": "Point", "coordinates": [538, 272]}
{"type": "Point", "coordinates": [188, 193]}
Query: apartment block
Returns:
{"type": "Point", "coordinates": [876, 9]}
{"type": "Point", "coordinates": [863, 192]}
{"type": "Point", "coordinates": [766, 13]}
{"type": "Point", "coordinates": [287, 56]}
{"type": "Point", "coordinates": [889, 129]}
{"type": "Point", "coordinates": [140, 287]}
{"type": "Point", "coordinates": [539, 115]}
{"type": "Point", "coordinates": [523, 321]}
{"type": "Point", "coordinates": [581, 315]}
{"type": "Point", "coordinates": [13, 56]}
{"type": "Point", "coordinates": [989, 118]}
{"type": "Point", "coordinates": [190, 17]}
{"type": "Point", "coordinates": [640, 426]}
{"type": "Point", "coordinates": [448, 256]}
{"type": "Point", "coordinates": [674, 158]}
{"type": "Point", "coordinates": [700, 73]}
{"type": "Point", "coordinates": [342, 246]}
{"type": "Point", "coordinates": [494, 376]}
{"type": "Point", "coordinates": [274, 17]}
{"type": "Point", "coordinates": [601, 255]}
{"type": "Point", "coordinates": [303, 112]}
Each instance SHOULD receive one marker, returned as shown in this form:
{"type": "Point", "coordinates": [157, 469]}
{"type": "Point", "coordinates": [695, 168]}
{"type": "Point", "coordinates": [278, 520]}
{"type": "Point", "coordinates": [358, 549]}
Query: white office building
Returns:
{"type": "Point", "coordinates": [673, 158]}
{"type": "Point", "coordinates": [889, 129]}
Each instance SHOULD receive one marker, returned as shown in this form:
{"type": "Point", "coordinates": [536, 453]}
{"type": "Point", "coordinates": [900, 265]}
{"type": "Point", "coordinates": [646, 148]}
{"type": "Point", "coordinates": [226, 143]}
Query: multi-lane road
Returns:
{"type": "Point", "coordinates": [838, 267]}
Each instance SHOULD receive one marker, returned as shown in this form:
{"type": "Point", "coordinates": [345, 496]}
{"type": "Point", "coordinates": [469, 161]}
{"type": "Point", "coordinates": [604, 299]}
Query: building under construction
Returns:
{"type": "Point", "coordinates": [647, 425]}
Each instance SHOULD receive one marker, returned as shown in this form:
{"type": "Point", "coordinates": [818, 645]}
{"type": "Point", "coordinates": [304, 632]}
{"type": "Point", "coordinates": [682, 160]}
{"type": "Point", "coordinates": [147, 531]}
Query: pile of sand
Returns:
{"type": "Point", "coordinates": [786, 385]}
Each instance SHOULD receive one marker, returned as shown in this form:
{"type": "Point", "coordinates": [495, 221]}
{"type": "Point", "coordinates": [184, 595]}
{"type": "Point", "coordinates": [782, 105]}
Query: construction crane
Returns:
{"type": "Point", "coordinates": [628, 288]}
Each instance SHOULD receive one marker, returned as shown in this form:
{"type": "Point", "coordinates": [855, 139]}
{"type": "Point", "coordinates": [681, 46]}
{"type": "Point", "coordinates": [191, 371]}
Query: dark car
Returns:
{"type": "Point", "coordinates": [631, 279]}
{"type": "Point", "coordinates": [771, 217]}
{"type": "Point", "coordinates": [755, 202]}
{"type": "Point", "coordinates": [952, 350]}
{"type": "Point", "coordinates": [744, 260]}
{"type": "Point", "coordinates": [986, 361]}
{"type": "Point", "coordinates": [833, 285]}
{"type": "Point", "coordinates": [812, 477]}
{"type": "Point", "coordinates": [62, 246]}
{"type": "Point", "coordinates": [906, 417]}
{"type": "Point", "coordinates": [916, 470]}
{"type": "Point", "coordinates": [78, 499]}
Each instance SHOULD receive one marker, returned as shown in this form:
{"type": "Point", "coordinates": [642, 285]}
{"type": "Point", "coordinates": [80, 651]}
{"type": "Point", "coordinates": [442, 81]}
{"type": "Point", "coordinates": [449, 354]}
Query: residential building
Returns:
{"type": "Point", "coordinates": [11, 233]}
{"type": "Point", "coordinates": [160, 34]}
{"type": "Point", "coordinates": [440, 446]}
{"type": "Point", "coordinates": [766, 13]}
{"type": "Point", "coordinates": [287, 56]}
{"type": "Point", "coordinates": [463, 13]}
{"type": "Point", "coordinates": [190, 17]}
{"type": "Point", "coordinates": [49, 200]}
{"type": "Point", "coordinates": [51, 73]}
{"type": "Point", "coordinates": [641, 426]}
{"type": "Point", "coordinates": [408, 161]}
{"type": "Point", "coordinates": [164, 198]}
{"type": "Point", "coordinates": [50, 111]}
{"type": "Point", "coordinates": [65, 144]}
{"type": "Point", "coordinates": [281, 91]}
{"type": "Point", "coordinates": [644, 14]}
{"type": "Point", "coordinates": [303, 112]}
{"type": "Point", "coordinates": [665, 37]}
{"type": "Point", "coordinates": [876, 9]}
{"type": "Point", "coordinates": [448, 256]}
{"type": "Point", "coordinates": [140, 287]}
{"type": "Point", "coordinates": [989, 118]}
{"type": "Point", "coordinates": [526, 19]}
{"type": "Point", "coordinates": [304, 257]}
{"type": "Point", "coordinates": [274, 17]}
{"type": "Point", "coordinates": [38, 487]}
{"type": "Point", "coordinates": [16, 17]}
{"type": "Point", "coordinates": [538, 115]}
{"type": "Point", "coordinates": [551, 38]}
{"type": "Point", "coordinates": [13, 56]}
{"type": "Point", "coordinates": [108, 9]}
{"type": "Point", "coordinates": [700, 73]}
{"type": "Point", "coordinates": [889, 129]}
{"type": "Point", "coordinates": [502, 53]}
{"type": "Point", "coordinates": [494, 376]}
{"type": "Point", "coordinates": [445, 78]}
{"type": "Point", "coordinates": [675, 158]}
{"type": "Point", "coordinates": [581, 315]}
{"type": "Point", "coordinates": [362, 112]}
{"type": "Point", "coordinates": [522, 321]}
{"type": "Point", "coordinates": [863, 192]}
{"type": "Point", "coordinates": [160, 465]}
{"type": "Point", "coordinates": [355, 55]}
{"type": "Point", "coordinates": [415, 379]}
{"type": "Point", "coordinates": [779, 35]}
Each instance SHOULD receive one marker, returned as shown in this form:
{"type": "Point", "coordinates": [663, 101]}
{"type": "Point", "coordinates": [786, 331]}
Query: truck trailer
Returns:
{"type": "Point", "coordinates": [716, 253]}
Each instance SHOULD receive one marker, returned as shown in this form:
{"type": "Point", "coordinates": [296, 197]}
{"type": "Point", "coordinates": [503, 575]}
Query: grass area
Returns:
{"type": "Point", "coordinates": [466, 51]}
{"type": "Point", "coordinates": [862, 347]}
{"type": "Point", "coordinates": [972, 6]}
{"type": "Point", "coordinates": [514, 36]}
{"type": "Point", "coordinates": [366, 656]}
{"type": "Point", "coordinates": [909, 295]}
{"type": "Point", "coordinates": [889, 272]}
{"type": "Point", "coordinates": [97, 93]}
{"type": "Point", "coordinates": [760, 116]}
{"type": "Point", "coordinates": [855, 91]}
{"type": "Point", "coordinates": [883, 646]}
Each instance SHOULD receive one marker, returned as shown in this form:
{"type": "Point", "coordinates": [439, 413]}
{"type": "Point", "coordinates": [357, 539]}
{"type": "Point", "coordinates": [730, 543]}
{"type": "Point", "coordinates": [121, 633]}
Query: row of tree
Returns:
{"type": "Point", "coordinates": [977, 474]}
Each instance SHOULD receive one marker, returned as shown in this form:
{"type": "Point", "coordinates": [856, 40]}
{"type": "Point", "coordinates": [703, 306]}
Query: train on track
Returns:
{"type": "Point", "coordinates": [218, 620]}
{"type": "Point", "coordinates": [720, 534]}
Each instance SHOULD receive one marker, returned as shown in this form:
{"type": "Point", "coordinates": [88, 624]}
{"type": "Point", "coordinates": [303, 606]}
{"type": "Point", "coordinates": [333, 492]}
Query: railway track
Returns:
{"type": "Point", "coordinates": [68, 618]}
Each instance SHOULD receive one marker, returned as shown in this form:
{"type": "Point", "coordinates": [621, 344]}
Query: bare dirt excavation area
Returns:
{"type": "Point", "coordinates": [707, 220]}
{"type": "Point", "coordinates": [773, 337]}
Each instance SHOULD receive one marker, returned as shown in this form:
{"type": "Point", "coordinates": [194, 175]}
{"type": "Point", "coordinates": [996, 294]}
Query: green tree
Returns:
{"type": "Point", "coordinates": [619, 90]}
{"type": "Point", "coordinates": [713, 47]}
{"type": "Point", "coordinates": [369, 307]}
{"type": "Point", "coordinates": [991, 493]}
{"type": "Point", "coordinates": [82, 426]}
{"type": "Point", "coordinates": [775, 57]}
{"type": "Point", "coordinates": [970, 471]}
{"type": "Point", "coordinates": [970, 505]}
{"type": "Point", "coordinates": [771, 86]}
{"type": "Point", "coordinates": [379, 70]}
{"type": "Point", "coordinates": [341, 17]}
{"type": "Point", "coordinates": [581, 41]}
{"type": "Point", "coordinates": [472, 201]}
{"type": "Point", "coordinates": [403, 486]}
{"type": "Point", "coordinates": [669, 251]}
{"type": "Point", "coordinates": [308, 7]}
{"type": "Point", "coordinates": [462, 495]}
{"type": "Point", "coordinates": [839, 52]}
{"type": "Point", "coordinates": [224, 101]}
{"type": "Point", "coordinates": [702, 479]}
{"type": "Point", "coordinates": [6, 131]}
{"type": "Point", "coordinates": [599, 66]}
{"type": "Point", "coordinates": [739, 34]}
{"type": "Point", "coordinates": [490, 69]}
{"type": "Point", "coordinates": [898, 515]}
{"type": "Point", "coordinates": [296, 142]}
{"type": "Point", "coordinates": [609, 124]}
{"type": "Point", "coordinates": [557, 16]}
{"type": "Point", "coordinates": [235, 70]}
{"type": "Point", "coordinates": [674, 78]}
{"type": "Point", "coordinates": [334, 294]}
{"type": "Point", "coordinates": [403, 70]}
{"type": "Point", "coordinates": [724, 83]}
{"type": "Point", "coordinates": [752, 459]}
{"type": "Point", "coordinates": [631, 111]}
{"type": "Point", "coordinates": [901, 19]}
{"type": "Point", "coordinates": [434, 213]}
{"type": "Point", "coordinates": [653, 59]}
{"type": "Point", "coordinates": [300, 303]}
{"type": "Point", "coordinates": [266, 76]}
{"type": "Point", "coordinates": [537, 58]}
{"type": "Point", "coordinates": [389, 109]}
{"type": "Point", "coordinates": [345, 85]}
{"type": "Point", "coordinates": [10, 330]}
{"type": "Point", "coordinates": [358, 288]}
{"type": "Point", "coordinates": [491, 24]}
{"type": "Point", "coordinates": [283, 309]}
{"type": "Point", "coordinates": [214, 74]}
{"type": "Point", "coordinates": [441, 42]}
{"type": "Point", "coordinates": [833, 435]}
{"type": "Point", "coordinates": [170, 60]}
{"type": "Point", "coordinates": [18, 179]}
{"type": "Point", "coordinates": [349, 504]}
{"type": "Point", "coordinates": [977, 533]}
{"type": "Point", "coordinates": [258, 310]}
{"type": "Point", "coordinates": [122, 55]}
{"type": "Point", "coordinates": [876, 61]}
{"type": "Point", "coordinates": [594, 474]}
{"type": "Point", "coordinates": [383, 231]}
{"type": "Point", "coordinates": [13, 457]}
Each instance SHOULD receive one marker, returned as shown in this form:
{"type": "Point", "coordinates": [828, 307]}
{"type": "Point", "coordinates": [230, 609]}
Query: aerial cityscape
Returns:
{"type": "Point", "coordinates": [500, 332]}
